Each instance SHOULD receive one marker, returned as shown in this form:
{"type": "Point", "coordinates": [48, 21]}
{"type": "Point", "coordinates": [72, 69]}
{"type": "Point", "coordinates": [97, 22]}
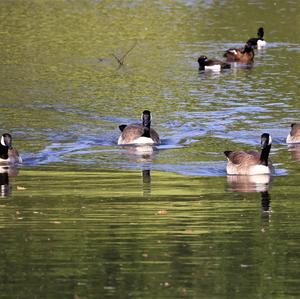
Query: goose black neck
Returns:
{"type": "Point", "coordinates": [146, 132]}
{"type": "Point", "coordinates": [3, 152]}
{"type": "Point", "coordinates": [147, 124]}
{"type": "Point", "coordinates": [264, 155]}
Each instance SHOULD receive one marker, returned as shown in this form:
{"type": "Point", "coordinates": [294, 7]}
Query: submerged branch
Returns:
{"type": "Point", "coordinates": [122, 59]}
{"type": "Point", "coordinates": [121, 62]}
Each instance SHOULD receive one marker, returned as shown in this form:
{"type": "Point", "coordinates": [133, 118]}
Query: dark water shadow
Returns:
{"type": "Point", "coordinates": [146, 175]}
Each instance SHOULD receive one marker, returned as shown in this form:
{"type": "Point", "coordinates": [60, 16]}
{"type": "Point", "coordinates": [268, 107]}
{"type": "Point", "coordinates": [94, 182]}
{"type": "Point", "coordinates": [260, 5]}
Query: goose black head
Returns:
{"type": "Point", "coordinates": [266, 140]}
{"type": "Point", "coordinates": [146, 118]}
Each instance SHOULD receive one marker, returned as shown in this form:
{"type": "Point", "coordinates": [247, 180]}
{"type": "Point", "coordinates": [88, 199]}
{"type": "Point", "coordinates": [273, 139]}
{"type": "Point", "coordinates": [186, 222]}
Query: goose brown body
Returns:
{"type": "Point", "coordinates": [135, 134]}
{"type": "Point", "coordinates": [251, 162]}
{"type": "Point", "coordinates": [246, 163]}
{"type": "Point", "coordinates": [139, 133]}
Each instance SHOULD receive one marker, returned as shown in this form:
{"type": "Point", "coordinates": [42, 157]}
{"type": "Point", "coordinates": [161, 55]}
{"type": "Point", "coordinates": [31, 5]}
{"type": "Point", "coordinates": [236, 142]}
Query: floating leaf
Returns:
{"type": "Point", "coordinates": [21, 188]}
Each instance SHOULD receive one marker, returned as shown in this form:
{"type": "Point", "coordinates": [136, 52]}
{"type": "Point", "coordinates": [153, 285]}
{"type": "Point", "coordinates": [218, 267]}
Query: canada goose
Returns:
{"type": "Point", "coordinates": [259, 41]}
{"type": "Point", "coordinates": [251, 162]}
{"type": "Point", "coordinates": [212, 64]}
{"type": "Point", "coordinates": [245, 54]}
{"type": "Point", "coordinates": [8, 154]}
{"type": "Point", "coordinates": [294, 135]}
{"type": "Point", "coordinates": [139, 133]}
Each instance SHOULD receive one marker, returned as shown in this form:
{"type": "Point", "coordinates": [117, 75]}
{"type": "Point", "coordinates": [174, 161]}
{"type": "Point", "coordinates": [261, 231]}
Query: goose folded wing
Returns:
{"type": "Point", "coordinates": [132, 132]}
{"type": "Point", "coordinates": [154, 136]}
{"type": "Point", "coordinates": [244, 157]}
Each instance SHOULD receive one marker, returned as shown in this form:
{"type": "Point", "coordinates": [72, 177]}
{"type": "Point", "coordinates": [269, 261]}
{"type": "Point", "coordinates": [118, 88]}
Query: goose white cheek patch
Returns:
{"type": "Point", "coordinates": [142, 116]}
{"type": "Point", "coordinates": [270, 140]}
{"type": "Point", "coordinates": [2, 141]}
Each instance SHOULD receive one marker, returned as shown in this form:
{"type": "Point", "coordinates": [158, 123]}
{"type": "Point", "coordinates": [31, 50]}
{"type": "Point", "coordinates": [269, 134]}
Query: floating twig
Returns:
{"type": "Point", "coordinates": [122, 59]}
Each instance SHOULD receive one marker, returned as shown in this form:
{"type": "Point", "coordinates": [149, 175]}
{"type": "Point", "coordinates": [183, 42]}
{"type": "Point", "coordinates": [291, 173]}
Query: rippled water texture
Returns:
{"type": "Point", "coordinates": [85, 218]}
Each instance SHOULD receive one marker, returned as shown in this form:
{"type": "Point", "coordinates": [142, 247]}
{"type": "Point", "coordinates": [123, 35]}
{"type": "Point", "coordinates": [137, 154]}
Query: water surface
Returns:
{"type": "Point", "coordinates": [84, 218]}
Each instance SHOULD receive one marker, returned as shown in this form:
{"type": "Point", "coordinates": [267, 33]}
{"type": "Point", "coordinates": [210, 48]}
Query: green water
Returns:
{"type": "Point", "coordinates": [84, 218]}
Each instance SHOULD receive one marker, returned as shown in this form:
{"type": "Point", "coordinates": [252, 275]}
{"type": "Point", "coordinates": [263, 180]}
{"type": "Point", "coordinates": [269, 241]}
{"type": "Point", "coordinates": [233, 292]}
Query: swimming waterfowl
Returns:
{"type": "Point", "coordinates": [259, 41]}
{"type": "Point", "coordinates": [294, 135]}
{"type": "Point", "coordinates": [251, 162]}
{"type": "Point", "coordinates": [8, 154]}
{"type": "Point", "coordinates": [212, 64]}
{"type": "Point", "coordinates": [245, 54]}
{"type": "Point", "coordinates": [139, 133]}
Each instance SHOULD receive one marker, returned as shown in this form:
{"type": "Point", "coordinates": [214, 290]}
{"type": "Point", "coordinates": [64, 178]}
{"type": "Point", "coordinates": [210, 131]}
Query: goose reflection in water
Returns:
{"type": "Point", "coordinates": [265, 202]}
{"type": "Point", "coordinates": [146, 174]}
{"type": "Point", "coordinates": [4, 184]}
{"type": "Point", "coordinates": [144, 156]}
{"type": "Point", "coordinates": [295, 151]}
{"type": "Point", "coordinates": [253, 183]}
{"type": "Point", "coordinates": [141, 153]}
{"type": "Point", "coordinates": [249, 183]}
{"type": "Point", "coordinates": [6, 172]}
